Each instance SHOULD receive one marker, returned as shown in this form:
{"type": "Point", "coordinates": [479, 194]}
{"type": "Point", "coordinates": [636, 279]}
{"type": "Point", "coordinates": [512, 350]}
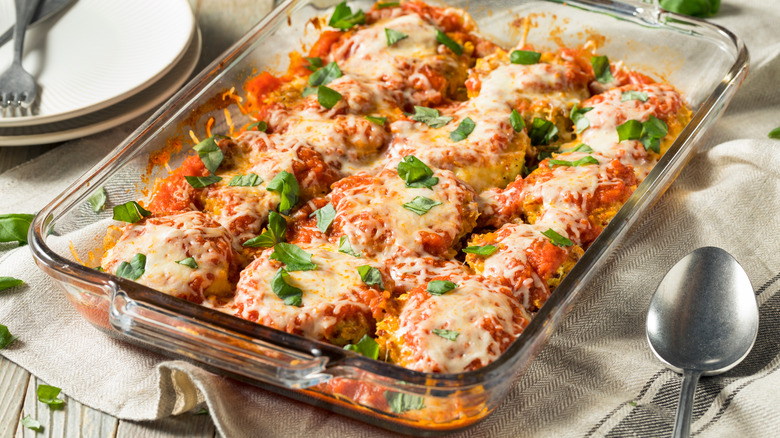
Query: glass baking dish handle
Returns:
{"type": "Point", "coordinates": [194, 338]}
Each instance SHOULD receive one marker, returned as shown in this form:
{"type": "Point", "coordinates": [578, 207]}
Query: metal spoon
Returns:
{"type": "Point", "coordinates": [46, 9]}
{"type": "Point", "coordinates": [703, 320]}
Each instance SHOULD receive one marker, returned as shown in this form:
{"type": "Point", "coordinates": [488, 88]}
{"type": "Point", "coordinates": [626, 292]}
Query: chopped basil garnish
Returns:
{"type": "Point", "coordinates": [524, 57]}
{"type": "Point", "coordinates": [248, 180]}
{"type": "Point", "coordinates": [440, 287]}
{"type": "Point", "coordinates": [430, 117]}
{"type": "Point", "coordinates": [696, 8]}
{"type": "Point", "coordinates": [277, 225]}
{"type": "Point", "coordinates": [9, 282]}
{"type": "Point", "coordinates": [325, 216]}
{"type": "Point", "coordinates": [601, 69]}
{"type": "Point", "coordinates": [32, 424]}
{"type": "Point", "coordinates": [6, 338]}
{"type": "Point", "coordinates": [378, 120]}
{"type": "Point", "coordinates": [293, 257]}
{"type": "Point", "coordinates": [630, 130]}
{"type": "Point", "coordinates": [366, 346]}
{"type": "Point", "coordinates": [577, 117]}
{"type": "Point", "coordinates": [130, 212]}
{"type": "Point", "coordinates": [393, 36]}
{"type": "Point", "coordinates": [463, 130]}
{"type": "Point", "coordinates": [189, 262]}
{"type": "Point", "coordinates": [581, 162]}
{"type": "Point", "coordinates": [415, 173]}
{"type": "Point", "coordinates": [346, 247]}
{"type": "Point", "coordinates": [325, 75]}
{"type": "Point", "coordinates": [200, 182]}
{"type": "Point", "coordinates": [516, 120]}
{"type": "Point", "coordinates": [481, 250]}
{"type": "Point", "coordinates": [420, 205]}
{"type": "Point", "coordinates": [210, 154]}
{"type": "Point", "coordinates": [291, 295]}
{"type": "Point", "coordinates": [371, 276]}
{"type": "Point", "coordinates": [343, 18]}
{"type": "Point", "coordinates": [449, 42]}
{"type": "Point", "coordinates": [401, 402]}
{"type": "Point", "coordinates": [446, 334]}
{"type": "Point", "coordinates": [48, 395]}
{"type": "Point", "coordinates": [97, 200]}
{"type": "Point", "coordinates": [14, 227]}
{"type": "Point", "coordinates": [314, 63]}
{"type": "Point", "coordinates": [286, 185]}
{"type": "Point", "coordinates": [258, 126]}
{"type": "Point", "coordinates": [775, 133]}
{"type": "Point", "coordinates": [582, 147]}
{"type": "Point", "coordinates": [99, 269]}
{"type": "Point", "coordinates": [649, 133]}
{"type": "Point", "coordinates": [382, 5]}
{"type": "Point", "coordinates": [633, 95]}
{"type": "Point", "coordinates": [556, 238]}
{"type": "Point", "coordinates": [308, 91]}
{"type": "Point", "coordinates": [327, 97]}
{"type": "Point", "coordinates": [134, 269]}
{"type": "Point", "coordinates": [542, 132]}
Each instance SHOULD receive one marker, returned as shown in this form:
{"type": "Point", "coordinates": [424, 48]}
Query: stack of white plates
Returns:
{"type": "Point", "coordinates": [99, 64]}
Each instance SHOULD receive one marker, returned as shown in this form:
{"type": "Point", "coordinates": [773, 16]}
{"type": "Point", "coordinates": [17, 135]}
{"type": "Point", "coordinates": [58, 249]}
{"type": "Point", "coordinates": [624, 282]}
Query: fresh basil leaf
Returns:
{"type": "Point", "coordinates": [463, 130]}
{"type": "Point", "coordinates": [327, 97]}
{"type": "Point", "coordinates": [393, 36]}
{"type": "Point", "coordinates": [32, 424]}
{"type": "Point", "coordinates": [130, 212]}
{"type": "Point", "coordinates": [382, 5]}
{"type": "Point", "coordinates": [48, 395]}
{"type": "Point", "coordinates": [653, 130]}
{"type": "Point", "coordinates": [366, 346]}
{"type": "Point", "coordinates": [258, 126]}
{"type": "Point", "coordinates": [630, 130]}
{"type": "Point", "coordinates": [401, 402]}
{"type": "Point", "coordinates": [99, 269]}
{"type": "Point", "coordinates": [14, 227]}
{"type": "Point", "coordinates": [696, 8]}
{"type": "Point", "coordinates": [370, 276]}
{"type": "Point", "coordinates": [286, 185]}
{"type": "Point", "coordinates": [210, 154]}
{"type": "Point", "coordinates": [189, 262]}
{"type": "Point", "coordinates": [314, 63]}
{"type": "Point", "coordinates": [291, 295]}
{"type": "Point", "coordinates": [325, 216]}
{"type": "Point", "coordinates": [581, 162]}
{"type": "Point", "coordinates": [440, 287]}
{"type": "Point", "coordinates": [633, 95]}
{"type": "Point", "coordinates": [378, 120]}
{"type": "Point", "coordinates": [430, 117]}
{"type": "Point", "coordinates": [516, 120]}
{"type": "Point", "coordinates": [248, 180]}
{"type": "Point", "coordinates": [775, 133]}
{"type": "Point", "coordinates": [542, 155]}
{"type": "Point", "coordinates": [415, 173]}
{"type": "Point", "coordinates": [200, 182]}
{"type": "Point", "coordinates": [577, 117]}
{"type": "Point", "coordinates": [346, 247]}
{"type": "Point", "coordinates": [601, 69]}
{"type": "Point", "coordinates": [325, 75]}
{"type": "Point", "coordinates": [9, 282]}
{"type": "Point", "coordinates": [524, 57]}
{"type": "Point", "coordinates": [582, 147]}
{"type": "Point", "coordinates": [98, 199]}
{"type": "Point", "coordinates": [308, 91]}
{"type": "Point", "coordinates": [556, 238]}
{"type": "Point", "coordinates": [542, 132]}
{"type": "Point", "coordinates": [293, 257]}
{"type": "Point", "coordinates": [133, 270]}
{"type": "Point", "coordinates": [274, 233]}
{"type": "Point", "coordinates": [420, 205]}
{"type": "Point", "coordinates": [343, 18]}
{"type": "Point", "coordinates": [5, 337]}
{"type": "Point", "coordinates": [449, 42]}
{"type": "Point", "coordinates": [446, 334]}
{"type": "Point", "coordinates": [484, 251]}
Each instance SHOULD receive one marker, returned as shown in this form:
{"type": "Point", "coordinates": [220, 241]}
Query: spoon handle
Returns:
{"type": "Point", "coordinates": [682, 424]}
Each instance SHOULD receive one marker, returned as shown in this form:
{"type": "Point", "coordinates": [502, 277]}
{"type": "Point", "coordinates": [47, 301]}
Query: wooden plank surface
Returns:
{"type": "Point", "coordinates": [13, 385]}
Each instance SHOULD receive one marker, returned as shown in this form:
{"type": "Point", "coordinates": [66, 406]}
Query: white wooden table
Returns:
{"type": "Point", "coordinates": [221, 23]}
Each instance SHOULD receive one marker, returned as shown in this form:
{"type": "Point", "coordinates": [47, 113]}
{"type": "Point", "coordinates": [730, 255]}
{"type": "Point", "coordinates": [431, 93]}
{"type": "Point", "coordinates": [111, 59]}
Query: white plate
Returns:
{"type": "Point", "coordinates": [148, 99]}
{"type": "Point", "coordinates": [97, 53]}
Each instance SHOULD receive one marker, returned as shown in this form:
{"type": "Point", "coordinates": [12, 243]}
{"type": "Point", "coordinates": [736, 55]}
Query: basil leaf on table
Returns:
{"type": "Point", "coordinates": [6, 338]}
{"type": "Point", "coordinates": [32, 424]}
{"type": "Point", "coordinates": [9, 282]}
{"type": "Point", "coordinates": [14, 227]}
{"type": "Point", "coordinates": [696, 8]}
{"type": "Point", "coordinates": [48, 395]}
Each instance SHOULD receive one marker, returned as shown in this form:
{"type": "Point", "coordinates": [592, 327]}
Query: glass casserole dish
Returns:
{"type": "Point", "coordinates": [705, 62]}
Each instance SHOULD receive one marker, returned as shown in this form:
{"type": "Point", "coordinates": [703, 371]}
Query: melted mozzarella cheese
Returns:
{"type": "Point", "coordinates": [547, 83]}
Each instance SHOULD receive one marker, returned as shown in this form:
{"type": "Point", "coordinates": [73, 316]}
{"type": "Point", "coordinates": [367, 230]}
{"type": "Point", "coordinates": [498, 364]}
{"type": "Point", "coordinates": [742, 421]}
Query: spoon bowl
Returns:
{"type": "Point", "coordinates": [703, 320]}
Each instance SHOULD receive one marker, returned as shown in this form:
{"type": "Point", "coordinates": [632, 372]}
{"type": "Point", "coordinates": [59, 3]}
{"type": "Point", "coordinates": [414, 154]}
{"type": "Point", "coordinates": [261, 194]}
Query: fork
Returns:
{"type": "Point", "coordinates": [17, 86]}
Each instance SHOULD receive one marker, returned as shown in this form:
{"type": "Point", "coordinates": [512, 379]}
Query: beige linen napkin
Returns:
{"type": "Point", "coordinates": [596, 377]}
